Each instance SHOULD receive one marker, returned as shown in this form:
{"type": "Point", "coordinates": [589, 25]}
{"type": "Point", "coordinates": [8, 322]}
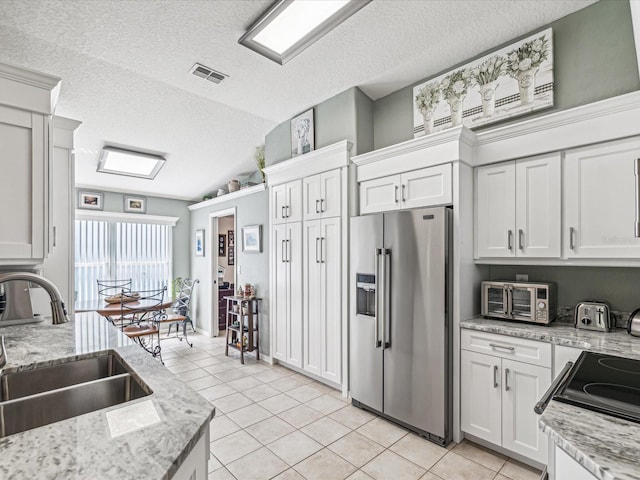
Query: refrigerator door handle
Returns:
{"type": "Point", "coordinates": [386, 290]}
{"type": "Point", "coordinates": [376, 327]}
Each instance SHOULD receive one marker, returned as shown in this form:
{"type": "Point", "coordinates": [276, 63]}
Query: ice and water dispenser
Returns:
{"type": "Point", "coordinates": [366, 294]}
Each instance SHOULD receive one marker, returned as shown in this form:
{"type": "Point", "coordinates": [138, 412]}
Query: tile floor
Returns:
{"type": "Point", "coordinates": [272, 422]}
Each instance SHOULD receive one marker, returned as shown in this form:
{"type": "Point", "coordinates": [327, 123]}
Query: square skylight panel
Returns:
{"type": "Point", "coordinates": [129, 163]}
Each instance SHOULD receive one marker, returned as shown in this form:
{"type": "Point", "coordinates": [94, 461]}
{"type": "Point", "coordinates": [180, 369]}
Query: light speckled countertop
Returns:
{"type": "Point", "coordinates": [82, 447]}
{"type": "Point", "coordinates": [606, 446]}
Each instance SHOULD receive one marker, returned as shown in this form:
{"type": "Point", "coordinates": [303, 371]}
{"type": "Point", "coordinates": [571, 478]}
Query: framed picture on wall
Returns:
{"type": "Point", "coordinates": [231, 248]}
{"type": "Point", "coordinates": [252, 238]}
{"type": "Point", "coordinates": [199, 245]}
{"type": "Point", "coordinates": [91, 200]}
{"type": "Point", "coordinates": [222, 245]}
{"type": "Point", "coordinates": [135, 204]}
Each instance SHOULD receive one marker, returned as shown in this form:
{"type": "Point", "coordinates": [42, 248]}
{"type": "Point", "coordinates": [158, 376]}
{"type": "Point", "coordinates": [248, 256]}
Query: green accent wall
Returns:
{"type": "Point", "coordinates": [594, 59]}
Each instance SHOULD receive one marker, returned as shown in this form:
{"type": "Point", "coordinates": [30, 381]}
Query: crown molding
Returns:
{"type": "Point", "coordinates": [243, 192]}
{"type": "Point", "coordinates": [29, 90]}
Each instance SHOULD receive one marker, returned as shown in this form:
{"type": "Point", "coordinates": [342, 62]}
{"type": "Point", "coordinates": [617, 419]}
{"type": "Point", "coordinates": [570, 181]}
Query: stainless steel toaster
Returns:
{"type": "Point", "coordinates": [592, 315]}
{"type": "Point", "coordinates": [633, 326]}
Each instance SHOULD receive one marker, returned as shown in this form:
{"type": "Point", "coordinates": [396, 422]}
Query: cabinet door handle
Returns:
{"type": "Point", "coordinates": [54, 236]}
{"type": "Point", "coordinates": [509, 240]}
{"type": "Point", "coordinates": [572, 245]}
{"type": "Point", "coordinates": [495, 376]}
{"type": "Point", "coordinates": [497, 345]}
{"type": "Point", "coordinates": [321, 250]}
{"type": "Point", "coordinates": [521, 239]}
{"type": "Point", "coordinates": [403, 196]}
{"type": "Point", "coordinates": [322, 204]}
{"type": "Point", "coordinates": [282, 212]}
{"type": "Point", "coordinates": [317, 241]}
{"type": "Point", "coordinates": [317, 206]}
{"type": "Point", "coordinates": [506, 380]}
{"type": "Point", "coordinates": [288, 212]}
{"type": "Point", "coordinates": [637, 172]}
{"type": "Point", "coordinates": [282, 257]}
{"type": "Point", "coordinates": [395, 194]}
{"type": "Point", "coordinates": [288, 250]}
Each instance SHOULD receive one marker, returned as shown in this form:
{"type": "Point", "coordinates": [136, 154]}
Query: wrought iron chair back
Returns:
{"type": "Point", "coordinates": [182, 309]}
{"type": "Point", "coordinates": [143, 306]}
{"type": "Point", "coordinates": [108, 288]}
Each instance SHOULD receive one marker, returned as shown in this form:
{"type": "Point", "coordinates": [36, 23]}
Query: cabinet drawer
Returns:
{"type": "Point", "coordinates": [520, 349]}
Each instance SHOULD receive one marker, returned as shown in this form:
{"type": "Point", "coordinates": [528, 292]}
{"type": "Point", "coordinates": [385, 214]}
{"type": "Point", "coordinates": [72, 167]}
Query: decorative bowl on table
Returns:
{"type": "Point", "coordinates": [123, 298]}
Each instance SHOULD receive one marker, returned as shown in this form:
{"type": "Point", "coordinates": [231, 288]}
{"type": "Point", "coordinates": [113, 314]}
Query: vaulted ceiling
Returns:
{"type": "Point", "coordinates": [125, 70]}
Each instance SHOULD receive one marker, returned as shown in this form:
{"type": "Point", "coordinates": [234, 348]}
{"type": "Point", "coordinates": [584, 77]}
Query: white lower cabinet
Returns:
{"type": "Point", "coordinates": [566, 468]}
{"type": "Point", "coordinates": [194, 466]}
{"type": "Point", "coordinates": [562, 355]}
{"type": "Point", "coordinates": [497, 399]}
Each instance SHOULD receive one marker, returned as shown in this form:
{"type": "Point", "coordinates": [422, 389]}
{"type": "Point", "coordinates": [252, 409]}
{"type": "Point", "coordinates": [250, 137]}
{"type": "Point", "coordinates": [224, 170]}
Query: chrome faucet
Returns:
{"type": "Point", "coordinates": [58, 310]}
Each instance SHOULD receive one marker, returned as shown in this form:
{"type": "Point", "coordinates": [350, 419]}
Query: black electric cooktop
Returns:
{"type": "Point", "coordinates": [605, 384]}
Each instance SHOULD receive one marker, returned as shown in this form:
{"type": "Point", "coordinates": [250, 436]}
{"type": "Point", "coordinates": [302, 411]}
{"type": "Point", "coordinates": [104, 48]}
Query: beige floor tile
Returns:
{"type": "Point", "coordinates": [196, 355]}
{"type": "Point", "coordinates": [262, 465]}
{"type": "Point", "coordinates": [352, 417]}
{"type": "Point", "coordinates": [501, 477]}
{"type": "Point", "coordinates": [221, 426]}
{"type": "Point", "coordinates": [261, 392]}
{"type": "Point", "coordinates": [220, 474]}
{"type": "Point", "coordinates": [303, 379]}
{"type": "Point", "coordinates": [286, 384]}
{"type": "Point", "coordinates": [356, 449]}
{"type": "Point", "coordinates": [431, 476]}
{"type": "Point", "coordinates": [231, 403]}
{"type": "Point", "coordinates": [244, 383]}
{"type": "Point", "coordinates": [279, 403]}
{"type": "Point", "coordinates": [420, 451]}
{"type": "Point", "coordinates": [325, 430]}
{"type": "Point", "coordinates": [255, 369]}
{"type": "Point", "coordinates": [290, 474]}
{"type": "Point", "coordinates": [229, 375]}
{"type": "Point", "coordinates": [300, 416]}
{"type": "Point", "coordinates": [391, 465]}
{"type": "Point", "coordinates": [218, 391]}
{"type": "Point", "coordinates": [249, 415]}
{"type": "Point", "coordinates": [304, 393]}
{"type": "Point", "coordinates": [326, 404]}
{"type": "Point", "coordinates": [234, 446]}
{"type": "Point", "coordinates": [182, 367]}
{"type": "Point", "coordinates": [269, 430]}
{"type": "Point", "coordinates": [272, 375]}
{"type": "Point", "coordinates": [359, 475]}
{"type": "Point", "coordinates": [214, 464]}
{"type": "Point", "coordinates": [455, 467]}
{"type": "Point", "coordinates": [382, 431]}
{"type": "Point", "coordinates": [176, 360]}
{"type": "Point", "coordinates": [203, 382]}
{"type": "Point", "coordinates": [207, 362]}
{"type": "Point", "coordinates": [294, 447]}
{"type": "Point", "coordinates": [193, 374]}
{"type": "Point", "coordinates": [492, 460]}
{"type": "Point", "coordinates": [519, 471]}
{"type": "Point", "coordinates": [220, 367]}
{"type": "Point", "coordinates": [325, 465]}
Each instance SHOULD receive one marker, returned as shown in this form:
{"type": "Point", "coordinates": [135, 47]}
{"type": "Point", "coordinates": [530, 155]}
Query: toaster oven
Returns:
{"type": "Point", "coordinates": [522, 301]}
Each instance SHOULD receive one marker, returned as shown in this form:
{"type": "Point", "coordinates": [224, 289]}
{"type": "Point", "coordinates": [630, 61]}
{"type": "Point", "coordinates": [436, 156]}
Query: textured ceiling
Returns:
{"type": "Point", "coordinates": [125, 64]}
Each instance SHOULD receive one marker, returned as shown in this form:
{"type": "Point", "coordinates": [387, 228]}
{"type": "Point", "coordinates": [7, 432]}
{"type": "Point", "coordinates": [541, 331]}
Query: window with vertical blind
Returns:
{"type": "Point", "coordinates": [116, 248]}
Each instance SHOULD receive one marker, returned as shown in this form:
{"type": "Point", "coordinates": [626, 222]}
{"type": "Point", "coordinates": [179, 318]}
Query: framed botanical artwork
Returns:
{"type": "Point", "coordinates": [199, 245]}
{"type": "Point", "coordinates": [231, 248]}
{"type": "Point", "coordinates": [302, 133]}
{"type": "Point", "coordinates": [135, 204]}
{"type": "Point", "coordinates": [91, 200]}
{"type": "Point", "coordinates": [252, 238]}
{"type": "Point", "coordinates": [222, 245]}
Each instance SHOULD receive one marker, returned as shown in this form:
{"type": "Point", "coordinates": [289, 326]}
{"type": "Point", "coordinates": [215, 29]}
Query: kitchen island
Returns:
{"type": "Point", "coordinates": [605, 447]}
{"type": "Point", "coordinates": [151, 437]}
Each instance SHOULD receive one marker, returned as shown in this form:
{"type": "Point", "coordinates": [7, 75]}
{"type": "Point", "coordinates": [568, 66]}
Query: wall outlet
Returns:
{"type": "Point", "coordinates": [522, 277]}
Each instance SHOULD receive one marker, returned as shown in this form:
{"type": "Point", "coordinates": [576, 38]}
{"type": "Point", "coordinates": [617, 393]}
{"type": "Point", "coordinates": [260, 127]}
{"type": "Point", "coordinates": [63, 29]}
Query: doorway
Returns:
{"type": "Point", "coordinates": [222, 266]}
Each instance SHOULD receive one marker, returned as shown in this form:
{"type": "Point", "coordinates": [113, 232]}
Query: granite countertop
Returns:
{"type": "Point", "coordinates": [88, 446]}
{"type": "Point", "coordinates": [606, 446]}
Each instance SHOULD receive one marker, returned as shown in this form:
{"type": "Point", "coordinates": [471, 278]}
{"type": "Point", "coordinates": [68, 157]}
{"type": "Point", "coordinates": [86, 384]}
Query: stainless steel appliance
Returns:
{"type": "Point", "coordinates": [593, 316]}
{"type": "Point", "coordinates": [400, 327]}
{"type": "Point", "coordinates": [633, 325]}
{"type": "Point", "coordinates": [523, 301]}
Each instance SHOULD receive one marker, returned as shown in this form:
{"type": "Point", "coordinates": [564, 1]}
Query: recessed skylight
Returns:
{"type": "Point", "coordinates": [290, 26]}
{"type": "Point", "coordinates": [127, 162]}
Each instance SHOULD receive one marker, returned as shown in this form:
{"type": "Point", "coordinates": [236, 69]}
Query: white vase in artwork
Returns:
{"type": "Point", "coordinates": [488, 95]}
{"type": "Point", "coordinates": [455, 104]}
{"type": "Point", "coordinates": [428, 121]}
{"type": "Point", "coordinates": [527, 84]}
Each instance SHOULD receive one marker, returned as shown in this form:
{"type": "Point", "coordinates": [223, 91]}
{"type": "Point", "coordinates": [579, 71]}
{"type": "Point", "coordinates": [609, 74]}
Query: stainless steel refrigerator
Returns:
{"type": "Point", "coordinates": [400, 326]}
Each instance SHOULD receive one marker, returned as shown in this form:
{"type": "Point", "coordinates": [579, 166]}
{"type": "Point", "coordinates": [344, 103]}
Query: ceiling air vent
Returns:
{"type": "Point", "coordinates": [208, 74]}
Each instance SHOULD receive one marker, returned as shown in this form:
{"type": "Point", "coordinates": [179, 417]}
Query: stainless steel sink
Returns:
{"type": "Point", "coordinates": [40, 396]}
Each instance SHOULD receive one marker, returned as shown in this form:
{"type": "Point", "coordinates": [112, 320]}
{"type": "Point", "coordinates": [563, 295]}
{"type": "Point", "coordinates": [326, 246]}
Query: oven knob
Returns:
{"type": "Point", "coordinates": [540, 305]}
{"type": "Point", "coordinates": [586, 320]}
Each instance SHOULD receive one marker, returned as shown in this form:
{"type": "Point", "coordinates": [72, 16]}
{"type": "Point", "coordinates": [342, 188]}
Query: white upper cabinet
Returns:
{"type": "Point", "coordinates": [286, 202]}
{"type": "Point", "coordinates": [322, 195]}
{"type": "Point", "coordinates": [518, 210]}
{"type": "Point", "coordinates": [417, 188]}
{"type": "Point", "coordinates": [601, 201]}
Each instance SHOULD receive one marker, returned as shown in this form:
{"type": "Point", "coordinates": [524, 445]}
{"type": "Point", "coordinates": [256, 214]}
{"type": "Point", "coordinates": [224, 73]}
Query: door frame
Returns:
{"type": "Point", "coordinates": [213, 263]}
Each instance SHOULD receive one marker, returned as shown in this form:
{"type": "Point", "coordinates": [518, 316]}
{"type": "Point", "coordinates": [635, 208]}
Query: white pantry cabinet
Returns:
{"type": "Point", "coordinates": [418, 188]}
{"type": "Point", "coordinates": [322, 299]}
{"type": "Point", "coordinates": [286, 301]}
{"type": "Point", "coordinates": [601, 200]}
{"type": "Point", "coordinates": [322, 195]}
{"type": "Point", "coordinates": [498, 391]}
{"type": "Point", "coordinates": [518, 210]}
{"type": "Point", "coordinates": [286, 202]}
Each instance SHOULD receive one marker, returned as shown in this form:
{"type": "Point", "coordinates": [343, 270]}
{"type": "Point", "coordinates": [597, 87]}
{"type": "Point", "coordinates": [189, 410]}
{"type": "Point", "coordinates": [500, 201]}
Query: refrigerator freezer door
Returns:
{"type": "Point", "coordinates": [365, 356]}
{"type": "Point", "coordinates": [416, 358]}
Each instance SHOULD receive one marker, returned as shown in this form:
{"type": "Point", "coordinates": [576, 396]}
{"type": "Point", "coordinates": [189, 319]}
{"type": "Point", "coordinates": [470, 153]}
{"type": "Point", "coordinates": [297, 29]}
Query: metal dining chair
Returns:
{"type": "Point", "coordinates": [107, 289]}
{"type": "Point", "coordinates": [146, 314]}
{"type": "Point", "coordinates": [181, 316]}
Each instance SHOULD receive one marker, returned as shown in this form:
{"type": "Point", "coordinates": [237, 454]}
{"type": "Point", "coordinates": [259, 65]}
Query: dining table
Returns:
{"type": "Point", "coordinates": [112, 309]}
